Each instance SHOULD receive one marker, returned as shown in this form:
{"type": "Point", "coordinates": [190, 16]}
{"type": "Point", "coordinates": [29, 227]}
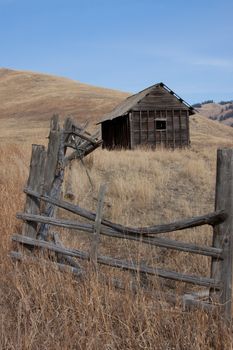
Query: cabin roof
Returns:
{"type": "Point", "coordinates": [125, 106]}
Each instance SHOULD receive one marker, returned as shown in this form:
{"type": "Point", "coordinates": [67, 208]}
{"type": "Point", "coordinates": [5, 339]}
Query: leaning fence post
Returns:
{"type": "Point", "coordinates": [35, 183]}
{"type": "Point", "coordinates": [222, 270]}
{"type": "Point", "coordinates": [97, 225]}
{"type": "Point", "coordinates": [54, 170]}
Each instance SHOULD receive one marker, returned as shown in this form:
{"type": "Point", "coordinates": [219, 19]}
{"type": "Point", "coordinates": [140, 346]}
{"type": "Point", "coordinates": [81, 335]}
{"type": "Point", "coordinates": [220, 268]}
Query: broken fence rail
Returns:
{"type": "Point", "coordinates": [155, 241]}
{"type": "Point", "coordinates": [207, 219]}
{"type": "Point", "coordinates": [187, 301]}
{"type": "Point", "coordinates": [118, 263]}
{"type": "Point", "coordinates": [47, 190]}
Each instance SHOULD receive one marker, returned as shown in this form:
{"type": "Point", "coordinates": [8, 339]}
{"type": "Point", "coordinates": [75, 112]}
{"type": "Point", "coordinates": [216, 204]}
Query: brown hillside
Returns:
{"type": "Point", "coordinates": [206, 132]}
{"type": "Point", "coordinates": [32, 95]}
{"type": "Point", "coordinates": [218, 111]}
{"type": "Point", "coordinates": [31, 98]}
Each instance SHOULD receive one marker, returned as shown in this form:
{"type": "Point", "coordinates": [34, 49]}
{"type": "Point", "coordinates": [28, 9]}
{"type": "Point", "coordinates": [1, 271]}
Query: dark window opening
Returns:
{"type": "Point", "coordinates": [161, 124]}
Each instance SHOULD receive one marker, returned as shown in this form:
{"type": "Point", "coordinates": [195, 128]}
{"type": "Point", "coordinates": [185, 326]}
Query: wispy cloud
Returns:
{"type": "Point", "coordinates": [175, 55]}
{"type": "Point", "coordinates": [183, 56]}
{"type": "Point", "coordinates": [194, 59]}
{"type": "Point", "coordinates": [197, 59]}
{"type": "Point", "coordinates": [212, 62]}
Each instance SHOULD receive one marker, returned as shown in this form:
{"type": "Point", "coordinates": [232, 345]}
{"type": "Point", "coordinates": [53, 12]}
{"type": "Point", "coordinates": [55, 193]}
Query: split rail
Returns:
{"type": "Point", "coordinates": [43, 197]}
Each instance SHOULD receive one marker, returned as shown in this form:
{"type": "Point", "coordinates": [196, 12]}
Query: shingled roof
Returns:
{"type": "Point", "coordinates": [124, 107]}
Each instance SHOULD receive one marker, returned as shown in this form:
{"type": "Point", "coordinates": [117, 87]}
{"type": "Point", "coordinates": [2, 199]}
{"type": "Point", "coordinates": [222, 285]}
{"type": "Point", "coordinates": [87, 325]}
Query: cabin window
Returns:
{"type": "Point", "coordinates": [161, 124]}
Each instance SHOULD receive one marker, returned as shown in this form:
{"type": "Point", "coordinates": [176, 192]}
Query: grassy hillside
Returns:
{"type": "Point", "coordinates": [41, 308]}
{"type": "Point", "coordinates": [222, 111]}
{"type": "Point", "coordinates": [28, 100]}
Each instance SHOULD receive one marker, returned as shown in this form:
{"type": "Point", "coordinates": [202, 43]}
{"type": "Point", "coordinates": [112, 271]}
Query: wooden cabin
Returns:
{"type": "Point", "coordinates": [156, 117]}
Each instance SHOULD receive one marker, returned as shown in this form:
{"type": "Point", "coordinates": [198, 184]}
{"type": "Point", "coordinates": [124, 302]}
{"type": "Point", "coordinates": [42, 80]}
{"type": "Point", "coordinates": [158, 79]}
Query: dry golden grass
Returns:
{"type": "Point", "coordinates": [28, 100]}
{"type": "Point", "coordinates": [216, 110]}
{"type": "Point", "coordinates": [41, 308]}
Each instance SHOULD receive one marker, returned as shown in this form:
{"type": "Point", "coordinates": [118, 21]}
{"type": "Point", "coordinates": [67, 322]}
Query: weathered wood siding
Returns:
{"type": "Point", "coordinates": [159, 98]}
{"type": "Point", "coordinates": [145, 131]}
{"type": "Point", "coordinates": [160, 105]}
{"type": "Point", "coordinates": [142, 126]}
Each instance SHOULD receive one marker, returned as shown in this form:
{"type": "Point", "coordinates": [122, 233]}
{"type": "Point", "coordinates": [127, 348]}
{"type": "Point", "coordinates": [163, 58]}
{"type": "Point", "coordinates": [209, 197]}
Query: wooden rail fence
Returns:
{"type": "Point", "coordinates": [43, 192]}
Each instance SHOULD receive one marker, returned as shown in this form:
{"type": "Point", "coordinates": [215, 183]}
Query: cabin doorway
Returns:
{"type": "Point", "coordinates": [116, 133]}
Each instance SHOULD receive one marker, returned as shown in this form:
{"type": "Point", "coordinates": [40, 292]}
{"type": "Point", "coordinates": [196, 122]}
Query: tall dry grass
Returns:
{"type": "Point", "coordinates": [41, 308]}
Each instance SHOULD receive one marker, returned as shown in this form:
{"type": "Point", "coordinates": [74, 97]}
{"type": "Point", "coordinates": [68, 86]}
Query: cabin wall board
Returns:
{"type": "Point", "coordinates": [145, 132]}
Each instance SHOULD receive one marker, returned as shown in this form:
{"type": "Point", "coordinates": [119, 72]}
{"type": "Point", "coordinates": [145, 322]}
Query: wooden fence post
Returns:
{"type": "Point", "coordinates": [35, 182]}
{"type": "Point", "coordinates": [97, 224]}
{"type": "Point", "coordinates": [222, 270]}
{"type": "Point", "coordinates": [54, 171]}
{"type": "Point", "coordinates": [52, 154]}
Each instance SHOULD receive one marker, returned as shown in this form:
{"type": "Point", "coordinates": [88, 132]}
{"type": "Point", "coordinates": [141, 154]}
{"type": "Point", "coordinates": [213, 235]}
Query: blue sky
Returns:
{"type": "Point", "coordinates": [124, 44]}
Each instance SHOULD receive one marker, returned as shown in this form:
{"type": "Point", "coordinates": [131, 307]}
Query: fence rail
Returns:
{"type": "Point", "coordinates": [208, 219]}
{"type": "Point", "coordinates": [155, 241]}
{"type": "Point", "coordinates": [122, 264]}
{"type": "Point", "coordinates": [43, 193]}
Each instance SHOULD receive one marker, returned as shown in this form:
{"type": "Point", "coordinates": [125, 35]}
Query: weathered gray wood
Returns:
{"type": "Point", "coordinates": [223, 233]}
{"type": "Point", "coordinates": [68, 126]}
{"type": "Point", "coordinates": [76, 154]}
{"type": "Point", "coordinates": [82, 136]}
{"type": "Point", "coordinates": [166, 243]}
{"type": "Point", "coordinates": [64, 268]}
{"type": "Point", "coordinates": [189, 302]}
{"type": "Point", "coordinates": [140, 127]}
{"type": "Point", "coordinates": [84, 127]}
{"type": "Point", "coordinates": [122, 264]}
{"type": "Point", "coordinates": [70, 224]}
{"type": "Point", "coordinates": [97, 226]}
{"type": "Point", "coordinates": [56, 222]}
{"type": "Point", "coordinates": [173, 130]}
{"type": "Point", "coordinates": [79, 127]}
{"type": "Point", "coordinates": [159, 242]}
{"type": "Point", "coordinates": [208, 219]}
{"type": "Point", "coordinates": [155, 128]}
{"type": "Point", "coordinates": [160, 131]}
{"type": "Point", "coordinates": [82, 131]}
{"type": "Point", "coordinates": [156, 241]}
{"type": "Point", "coordinates": [35, 182]}
{"type": "Point", "coordinates": [187, 128]}
{"type": "Point", "coordinates": [64, 258]}
{"type": "Point", "coordinates": [54, 171]}
{"type": "Point", "coordinates": [131, 130]}
{"type": "Point", "coordinates": [180, 128]}
{"type": "Point", "coordinates": [185, 301]}
{"type": "Point", "coordinates": [201, 294]}
{"type": "Point", "coordinates": [51, 246]}
{"type": "Point", "coordinates": [52, 154]}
